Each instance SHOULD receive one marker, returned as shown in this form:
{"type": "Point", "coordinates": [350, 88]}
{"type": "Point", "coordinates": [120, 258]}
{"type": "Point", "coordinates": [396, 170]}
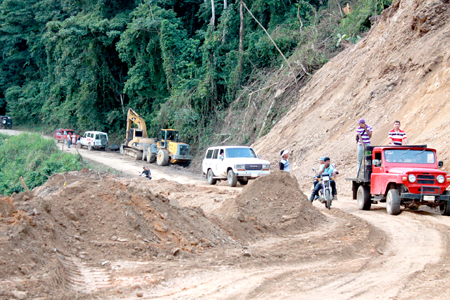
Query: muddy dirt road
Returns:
{"type": "Point", "coordinates": [342, 253]}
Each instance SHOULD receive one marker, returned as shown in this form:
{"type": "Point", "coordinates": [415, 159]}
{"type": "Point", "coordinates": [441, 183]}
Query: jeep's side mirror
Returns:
{"type": "Point", "coordinates": [440, 164]}
{"type": "Point", "coordinates": [376, 162]}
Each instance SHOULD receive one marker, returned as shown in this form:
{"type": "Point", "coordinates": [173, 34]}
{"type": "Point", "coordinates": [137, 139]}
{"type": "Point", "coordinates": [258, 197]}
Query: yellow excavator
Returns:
{"type": "Point", "coordinates": [170, 151]}
{"type": "Point", "coordinates": [137, 143]}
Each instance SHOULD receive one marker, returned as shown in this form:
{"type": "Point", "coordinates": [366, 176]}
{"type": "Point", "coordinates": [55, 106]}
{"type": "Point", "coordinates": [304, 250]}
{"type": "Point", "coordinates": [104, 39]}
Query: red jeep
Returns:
{"type": "Point", "coordinates": [401, 175]}
{"type": "Point", "coordinates": [61, 134]}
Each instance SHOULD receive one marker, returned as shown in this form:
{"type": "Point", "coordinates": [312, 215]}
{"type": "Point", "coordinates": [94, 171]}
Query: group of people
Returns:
{"type": "Point", "coordinates": [363, 135]}
{"type": "Point", "coordinates": [72, 139]}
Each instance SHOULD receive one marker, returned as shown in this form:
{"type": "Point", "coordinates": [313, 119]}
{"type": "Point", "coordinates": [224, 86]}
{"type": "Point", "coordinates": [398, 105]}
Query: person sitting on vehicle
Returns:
{"type": "Point", "coordinates": [221, 154]}
{"type": "Point", "coordinates": [284, 162]}
{"type": "Point", "coordinates": [397, 136]}
{"type": "Point", "coordinates": [146, 173]}
{"type": "Point", "coordinates": [328, 169]}
{"type": "Point", "coordinates": [316, 181]}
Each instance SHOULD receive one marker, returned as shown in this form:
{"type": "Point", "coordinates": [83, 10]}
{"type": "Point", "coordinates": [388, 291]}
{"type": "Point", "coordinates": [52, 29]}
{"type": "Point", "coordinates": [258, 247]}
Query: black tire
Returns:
{"type": "Point", "coordinates": [444, 208]}
{"type": "Point", "coordinates": [393, 202]}
{"type": "Point", "coordinates": [231, 178]}
{"type": "Point", "coordinates": [243, 181]}
{"type": "Point", "coordinates": [328, 198]}
{"type": "Point", "coordinates": [210, 177]}
{"type": "Point", "coordinates": [363, 197]}
{"type": "Point", "coordinates": [90, 148]}
{"type": "Point", "coordinates": [162, 158]}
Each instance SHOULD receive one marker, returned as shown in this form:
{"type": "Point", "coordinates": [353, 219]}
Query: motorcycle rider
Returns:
{"type": "Point", "coordinates": [328, 168]}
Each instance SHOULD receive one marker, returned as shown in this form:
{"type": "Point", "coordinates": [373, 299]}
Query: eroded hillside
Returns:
{"type": "Point", "coordinates": [399, 71]}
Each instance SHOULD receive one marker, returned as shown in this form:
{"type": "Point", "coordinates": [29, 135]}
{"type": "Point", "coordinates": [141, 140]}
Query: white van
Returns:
{"type": "Point", "coordinates": [94, 140]}
{"type": "Point", "coordinates": [233, 163]}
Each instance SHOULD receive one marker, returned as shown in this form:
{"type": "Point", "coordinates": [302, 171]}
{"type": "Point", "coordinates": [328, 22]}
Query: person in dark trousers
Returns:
{"type": "Point", "coordinates": [328, 168]}
{"type": "Point", "coordinates": [146, 173]}
{"type": "Point", "coordinates": [284, 162]}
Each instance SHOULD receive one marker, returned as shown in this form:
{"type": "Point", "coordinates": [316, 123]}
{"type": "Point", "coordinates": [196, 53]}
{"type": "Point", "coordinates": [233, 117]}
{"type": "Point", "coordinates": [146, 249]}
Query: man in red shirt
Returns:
{"type": "Point", "coordinates": [397, 136]}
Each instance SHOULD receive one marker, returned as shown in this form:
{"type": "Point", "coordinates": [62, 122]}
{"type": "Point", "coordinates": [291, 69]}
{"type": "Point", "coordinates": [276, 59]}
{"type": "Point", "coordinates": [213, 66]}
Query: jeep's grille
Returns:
{"type": "Point", "coordinates": [253, 167]}
{"type": "Point", "coordinates": [184, 150]}
{"type": "Point", "coordinates": [430, 190]}
{"type": "Point", "coordinates": [425, 179]}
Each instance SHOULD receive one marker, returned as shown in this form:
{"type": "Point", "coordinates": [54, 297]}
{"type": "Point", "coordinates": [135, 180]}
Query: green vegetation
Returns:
{"type": "Point", "coordinates": [82, 63]}
{"type": "Point", "coordinates": [32, 157]}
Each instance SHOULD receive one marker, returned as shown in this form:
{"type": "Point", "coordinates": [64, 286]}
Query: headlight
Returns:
{"type": "Point", "coordinates": [411, 178]}
{"type": "Point", "coordinates": [240, 167]}
{"type": "Point", "coordinates": [266, 167]}
{"type": "Point", "coordinates": [440, 179]}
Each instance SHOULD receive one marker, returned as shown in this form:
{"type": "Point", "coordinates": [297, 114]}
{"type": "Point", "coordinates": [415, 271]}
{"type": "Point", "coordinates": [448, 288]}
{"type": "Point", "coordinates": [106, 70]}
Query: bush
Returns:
{"type": "Point", "coordinates": [32, 157]}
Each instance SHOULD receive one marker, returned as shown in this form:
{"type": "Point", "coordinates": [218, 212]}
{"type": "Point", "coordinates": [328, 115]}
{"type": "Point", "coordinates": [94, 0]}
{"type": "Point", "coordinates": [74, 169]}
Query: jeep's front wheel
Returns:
{"type": "Point", "coordinates": [444, 208]}
{"type": "Point", "coordinates": [393, 202]}
{"type": "Point", "coordinates": [232, 178]}
{"type": "Point", "coordinates": [363, 198]}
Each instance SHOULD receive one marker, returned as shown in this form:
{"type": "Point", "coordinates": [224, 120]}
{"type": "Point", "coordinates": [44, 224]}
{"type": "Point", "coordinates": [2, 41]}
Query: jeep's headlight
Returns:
{"type": "Point", "coordinates": [240, 167]}
{"type": "Point", "coordinates": [440, 179]}
{"type": "Point", "coordinates": [411, 178]}
{"type": "Point", "coordinates": [266, 167]}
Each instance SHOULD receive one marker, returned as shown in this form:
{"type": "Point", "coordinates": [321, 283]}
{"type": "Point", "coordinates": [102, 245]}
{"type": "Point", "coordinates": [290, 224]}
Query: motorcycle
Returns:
{"type": "Point", "coordinates": [325, 193]}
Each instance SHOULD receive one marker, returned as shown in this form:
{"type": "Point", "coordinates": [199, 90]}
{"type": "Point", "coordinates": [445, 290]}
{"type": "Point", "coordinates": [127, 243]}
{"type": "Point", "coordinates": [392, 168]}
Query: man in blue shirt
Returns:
{"type": "Point", "coordinates": [328, 168]}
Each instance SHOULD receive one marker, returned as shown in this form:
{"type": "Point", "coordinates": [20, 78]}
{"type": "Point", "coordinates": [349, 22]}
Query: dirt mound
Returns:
{"type": "Point", "coordinates": [272, 204]}
{"type": "Point", "coordinates": [82, 218]}
{"type": "Point", "coordinates": [399, 71]}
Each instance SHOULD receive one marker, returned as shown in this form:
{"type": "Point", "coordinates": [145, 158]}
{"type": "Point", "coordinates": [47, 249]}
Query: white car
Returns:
{"type": "Point", "coordinates": [233, 163]}
{"type": "Point", "coordinates": [94, 140]}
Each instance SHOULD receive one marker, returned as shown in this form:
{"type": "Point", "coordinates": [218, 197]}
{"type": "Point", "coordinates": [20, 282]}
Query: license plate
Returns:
{"type": "Point", "coordinates": [428, 198]}
{"type": "Point", "coordinates": [326, 178]}
{"type": "Point", "coordinates": [254, 175]}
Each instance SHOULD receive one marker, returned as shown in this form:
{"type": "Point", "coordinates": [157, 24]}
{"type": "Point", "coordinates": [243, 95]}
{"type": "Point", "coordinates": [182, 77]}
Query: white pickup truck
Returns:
{"type": "Point", "coordinates": [94, 140]}
{"type": "Point", "coordinates": [233, 163]}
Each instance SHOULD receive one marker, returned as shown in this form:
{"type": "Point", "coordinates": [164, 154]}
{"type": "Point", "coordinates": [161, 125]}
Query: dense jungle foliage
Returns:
{"type": "Point", "coordinates": [83, 63]}
{"type": "Point", "coordinates": [32, 157]}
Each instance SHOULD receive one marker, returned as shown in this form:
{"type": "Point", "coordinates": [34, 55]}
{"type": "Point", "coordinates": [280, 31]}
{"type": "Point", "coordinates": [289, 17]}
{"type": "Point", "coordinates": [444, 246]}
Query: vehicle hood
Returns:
{"type": "Point", "coordinates": [398, 170]}
{"type": "Point", "coordinates": [246, 160]}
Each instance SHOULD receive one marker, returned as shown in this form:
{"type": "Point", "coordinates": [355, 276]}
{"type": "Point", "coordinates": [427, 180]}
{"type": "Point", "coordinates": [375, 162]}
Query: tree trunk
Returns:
{"type": "Point", "coordinates": [213, 12]}
{"type": "Point", "coordinates": [225, 4]}
{"type": "Point", "coordinates": [241, 36]}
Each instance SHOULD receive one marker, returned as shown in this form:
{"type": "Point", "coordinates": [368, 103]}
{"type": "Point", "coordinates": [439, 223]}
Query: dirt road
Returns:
{"type": "Point", "coordinates": [350, 254]}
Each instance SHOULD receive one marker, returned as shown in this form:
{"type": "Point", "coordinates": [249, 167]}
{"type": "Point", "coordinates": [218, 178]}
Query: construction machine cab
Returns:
{"type": "Point", "coordinates": [168, 135]}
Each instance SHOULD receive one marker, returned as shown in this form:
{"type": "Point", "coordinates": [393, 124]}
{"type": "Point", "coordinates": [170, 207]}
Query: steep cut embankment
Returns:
{"type": "Point", "coordinates": [399, 71]}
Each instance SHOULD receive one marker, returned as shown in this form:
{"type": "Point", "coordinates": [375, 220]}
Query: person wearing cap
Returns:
{"type": "Point", "coordinates": [284, 162]}
{"type": "Point", "coordinates": [363, 136]}
{"type": "Point", "coordinates": [327, 168]}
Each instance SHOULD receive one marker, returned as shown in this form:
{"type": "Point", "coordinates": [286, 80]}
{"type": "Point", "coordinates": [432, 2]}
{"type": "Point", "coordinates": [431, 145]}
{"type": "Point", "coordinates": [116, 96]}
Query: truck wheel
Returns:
{"type": "Point", "coordinates": [393, 202]}
{"type": "Point", "coordinates": [210, 177]}
{"type": "Point", "coordinates": [232, 178]}
{"type": "Point", "coordinates": [445, 207]}
{"type": "Point", "coordinates": [243, 181]}
{"type": "Point", "coordinates": [363, 198]}
{"type": "Point", "coordinates": [163, 158]}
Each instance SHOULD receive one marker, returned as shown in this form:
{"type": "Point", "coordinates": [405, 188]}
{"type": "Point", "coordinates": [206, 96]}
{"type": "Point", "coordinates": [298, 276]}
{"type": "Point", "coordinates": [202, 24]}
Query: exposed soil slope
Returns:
{"type": "Point", "coordinates": [399, 71]}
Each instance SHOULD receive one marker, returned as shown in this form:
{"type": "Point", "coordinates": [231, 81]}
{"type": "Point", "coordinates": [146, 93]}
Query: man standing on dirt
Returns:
{"type": "Point", "coordinates": [69, 140]}
{"type": "Point", "coordinates": [363, 135]}
{"type": "Point", "coordinates": [284, 163]}
{"type": "Point", "coordinates": [397, 136]}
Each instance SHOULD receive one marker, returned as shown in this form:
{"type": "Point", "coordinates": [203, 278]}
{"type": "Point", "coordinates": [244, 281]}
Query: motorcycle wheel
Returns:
{"type": "Point", "coordinates": [327, 198]}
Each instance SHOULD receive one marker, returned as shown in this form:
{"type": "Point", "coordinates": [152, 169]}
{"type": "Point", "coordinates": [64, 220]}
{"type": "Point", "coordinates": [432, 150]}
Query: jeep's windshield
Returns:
{"type": "Point", "coordinates": [239, 152]}
{"type": "Point", "coordinates": [410, 157]}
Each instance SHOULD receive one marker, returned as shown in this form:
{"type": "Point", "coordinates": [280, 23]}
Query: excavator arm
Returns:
{"type": "Point", "coordinates": [134, 117]}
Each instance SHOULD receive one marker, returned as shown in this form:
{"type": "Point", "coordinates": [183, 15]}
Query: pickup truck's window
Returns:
{"type": "Point", "coordinates": [239, 152]}
{"type": "Point", "coordinates": [409, 156]}
{"type": "Point", "coordinates": [216, 152]}
{"type": "Point", "coordinates": [209, 154]}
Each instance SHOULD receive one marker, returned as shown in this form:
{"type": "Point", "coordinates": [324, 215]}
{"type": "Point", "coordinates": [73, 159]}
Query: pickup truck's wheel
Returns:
{"type": "Point", "coordinates": [163, 158]}
{"type": "Point", "coordinates": [445, 207]}
{"type": "Point", "coordinates": [90, 148]}
{"type": "Point", "coordinates": [210, 177]}
{"type": "Point", "coordinates": [232, 178]}
{"type": "Point", "coordinates": [393, 202]}
{"type": "Point", "coordinates": [243, 181]}
{"type": "Point", "coordinates": [363, 197]}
